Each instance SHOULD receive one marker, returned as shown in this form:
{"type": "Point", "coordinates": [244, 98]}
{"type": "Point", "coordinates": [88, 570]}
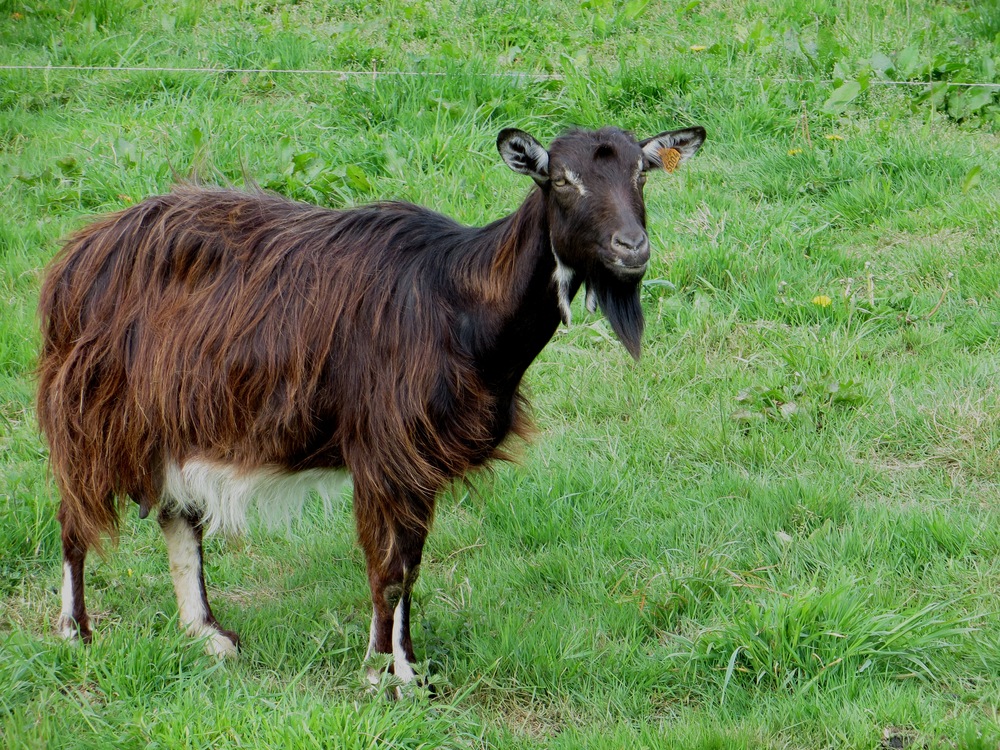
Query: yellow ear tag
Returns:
{"type": "Point", "coordinates": [671, 158]}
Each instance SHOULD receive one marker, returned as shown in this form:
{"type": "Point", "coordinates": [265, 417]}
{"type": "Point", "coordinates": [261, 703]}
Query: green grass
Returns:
{"type": "Point", "coordinates": [779, 529]}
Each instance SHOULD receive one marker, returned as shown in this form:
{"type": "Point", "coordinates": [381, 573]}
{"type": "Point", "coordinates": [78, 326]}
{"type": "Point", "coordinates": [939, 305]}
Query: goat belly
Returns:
{"type": "Point", "coordinates": [225, 495]}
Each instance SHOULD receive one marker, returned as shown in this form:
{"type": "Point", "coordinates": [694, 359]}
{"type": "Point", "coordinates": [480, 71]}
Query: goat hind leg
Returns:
{"type": "Point", "coordinates": [73, 620]}
{"type": "Point", "coordinates": [183, 533]}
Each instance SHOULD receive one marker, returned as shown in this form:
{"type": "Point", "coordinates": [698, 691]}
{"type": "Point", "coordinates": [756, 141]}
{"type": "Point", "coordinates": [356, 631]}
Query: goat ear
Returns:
{"type": "Point", "coordinates": [524, 154]}
{"type": "Point", "coordinates": [686, 142]}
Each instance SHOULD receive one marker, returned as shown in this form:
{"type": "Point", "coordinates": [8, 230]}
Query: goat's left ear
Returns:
{"type": "Point", "coordinates": [524, 154]}
{"type": "Point", "coordinates": [686, 142]}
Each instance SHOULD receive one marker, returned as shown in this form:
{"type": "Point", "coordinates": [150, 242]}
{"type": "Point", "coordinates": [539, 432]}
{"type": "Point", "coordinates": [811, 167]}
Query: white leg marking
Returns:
{"type": "Point", "coordinates": [401, 664]}
{"type": "Point", "coordinates": [371, 637]}
{"type": "Point", "coordinates": [185, 569]}
{"type": "Point", "coordinates": [67, 626]}
{"type": "Point", "coordinates": [371, 673]}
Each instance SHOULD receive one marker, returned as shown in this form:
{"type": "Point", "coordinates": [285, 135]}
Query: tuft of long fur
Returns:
{"type": "Point", "coordinates": [251, 331]}
{"type": "Point", "coordinates": [619, 301]}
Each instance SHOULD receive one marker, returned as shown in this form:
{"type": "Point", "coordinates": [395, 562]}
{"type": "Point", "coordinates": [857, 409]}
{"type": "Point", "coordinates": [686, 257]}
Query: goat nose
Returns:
{"type": "Point", "coordinates": [631, 247]}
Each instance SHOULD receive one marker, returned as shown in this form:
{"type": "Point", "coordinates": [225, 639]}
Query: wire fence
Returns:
{"type": "Point", "coordinates": [342, 74]}
{"type": "Point", "coordinates": [375, 73]}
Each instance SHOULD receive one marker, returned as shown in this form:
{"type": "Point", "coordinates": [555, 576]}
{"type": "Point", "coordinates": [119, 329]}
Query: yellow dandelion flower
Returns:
{"type": "Point", "coordinates": [834, 137]}
{"type": "Point", "coordinates": [794, 151]}
{"type": "Point", "coordinates": [822, 300]}
{"type": "Point", "coordinates": [698, 48]}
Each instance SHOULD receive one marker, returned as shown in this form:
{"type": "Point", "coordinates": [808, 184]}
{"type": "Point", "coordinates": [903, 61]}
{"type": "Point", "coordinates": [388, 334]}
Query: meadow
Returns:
{"type": "Point", "coordinates": [779, 529]}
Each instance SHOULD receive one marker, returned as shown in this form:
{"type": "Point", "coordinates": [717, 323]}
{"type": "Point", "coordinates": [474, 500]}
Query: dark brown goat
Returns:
{"type": "Point", "coordinates": [208, 350]}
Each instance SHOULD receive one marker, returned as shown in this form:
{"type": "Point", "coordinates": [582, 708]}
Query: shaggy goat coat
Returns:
{"type": "Point", "coordinates": [245, 340]}
{"type": "Point", "coordinates": [208, 349]}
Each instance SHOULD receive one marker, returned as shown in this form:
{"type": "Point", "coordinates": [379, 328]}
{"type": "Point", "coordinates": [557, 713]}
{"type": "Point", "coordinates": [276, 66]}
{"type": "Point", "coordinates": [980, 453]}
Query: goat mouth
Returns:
{"type": "Point", "coordinates": [628, 272]}
{"type": "Point", "coordinates": [627, 265]}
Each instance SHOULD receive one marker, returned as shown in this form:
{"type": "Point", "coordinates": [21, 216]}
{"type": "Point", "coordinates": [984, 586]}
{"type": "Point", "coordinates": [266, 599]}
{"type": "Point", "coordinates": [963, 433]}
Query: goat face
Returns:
{"type": "Point", "coordinates": [592, 182]}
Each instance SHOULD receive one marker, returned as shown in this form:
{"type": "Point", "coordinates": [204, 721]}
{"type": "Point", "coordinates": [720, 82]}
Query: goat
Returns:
{"type": "Point", "coordinates": [210, 350]}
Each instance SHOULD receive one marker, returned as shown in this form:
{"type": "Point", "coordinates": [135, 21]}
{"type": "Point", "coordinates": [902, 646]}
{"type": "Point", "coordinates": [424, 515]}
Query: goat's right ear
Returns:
{"type": "Point", "coordinates": [524, 154]}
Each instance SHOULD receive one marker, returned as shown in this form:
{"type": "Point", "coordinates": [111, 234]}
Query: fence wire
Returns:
{"type": "Point", "coordinates": [374, 74]}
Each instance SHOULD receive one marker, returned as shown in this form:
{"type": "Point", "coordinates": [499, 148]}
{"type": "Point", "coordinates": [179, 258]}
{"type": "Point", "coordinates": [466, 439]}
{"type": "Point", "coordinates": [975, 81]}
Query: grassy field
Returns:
{"type": "Point", "coordinates": [780, 529]}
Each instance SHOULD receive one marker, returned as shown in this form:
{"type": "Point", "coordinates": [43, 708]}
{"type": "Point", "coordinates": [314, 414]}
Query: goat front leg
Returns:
{"type": "Point", "coordinates": [393, 557]}
{"type": "Point", "coordinates": [183, 534]}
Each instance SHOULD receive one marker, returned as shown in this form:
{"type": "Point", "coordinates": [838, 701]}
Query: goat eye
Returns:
{"type": "Point", "coordinates": [559, 182]}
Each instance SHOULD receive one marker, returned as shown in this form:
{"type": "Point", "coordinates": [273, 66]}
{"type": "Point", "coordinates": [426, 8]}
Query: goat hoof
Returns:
{"type": "Point", "coordinates": [396, 688]}
{"type": "Point", "coordinates": [379, 680]}
{"type": "Point", "coordinates": [218, 642]}
{"type": "Point", "coordinates": [223, 644]}
{"type": "Point", "coordinates": [75, 632]}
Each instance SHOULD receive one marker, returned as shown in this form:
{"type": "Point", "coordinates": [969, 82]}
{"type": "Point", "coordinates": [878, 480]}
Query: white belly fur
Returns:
{"type": "Point", "coordinates": [225, 495]}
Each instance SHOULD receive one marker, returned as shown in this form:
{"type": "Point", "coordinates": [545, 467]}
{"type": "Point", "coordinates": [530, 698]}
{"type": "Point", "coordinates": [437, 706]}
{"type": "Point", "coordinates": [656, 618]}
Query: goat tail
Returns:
{"type": "Point", "coordinates": [83, 392]}
{"type": "Point", "coordinates": [78, 448]}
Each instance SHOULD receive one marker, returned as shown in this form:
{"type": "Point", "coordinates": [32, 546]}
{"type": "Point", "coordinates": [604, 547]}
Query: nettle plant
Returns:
{"type": "Point", "coordinates": [785, 402]}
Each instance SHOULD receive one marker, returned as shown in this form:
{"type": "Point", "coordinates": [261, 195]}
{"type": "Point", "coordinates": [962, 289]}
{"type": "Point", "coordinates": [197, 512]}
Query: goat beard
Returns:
{"type": "Point", "coordinates": [619, 301]}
